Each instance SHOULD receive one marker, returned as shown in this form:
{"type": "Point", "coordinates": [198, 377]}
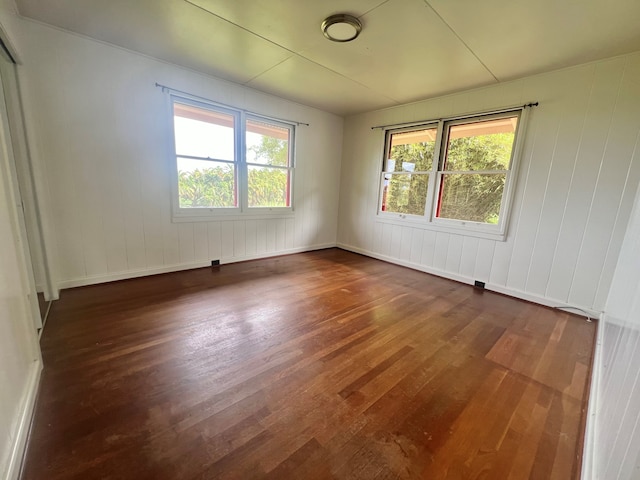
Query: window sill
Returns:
{"type": "Point", "coordinates": [440, 226]}
{"type": "Point", "coordinates": [219, 216]}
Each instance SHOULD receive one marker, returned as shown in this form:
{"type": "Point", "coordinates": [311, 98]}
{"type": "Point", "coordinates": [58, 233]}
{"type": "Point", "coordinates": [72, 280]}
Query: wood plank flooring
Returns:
{"type": "Point", "coordinates": [312, 366]}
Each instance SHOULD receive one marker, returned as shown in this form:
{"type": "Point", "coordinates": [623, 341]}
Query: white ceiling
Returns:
{"type": "Point", "coordinates": [408, 49]}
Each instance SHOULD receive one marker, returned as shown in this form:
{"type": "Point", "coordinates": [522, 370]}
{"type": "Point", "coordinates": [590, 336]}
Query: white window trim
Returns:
{"type": "Point", "coordinates": [429, 221]}
{"type": "Point", "coordinates": [242, 211]}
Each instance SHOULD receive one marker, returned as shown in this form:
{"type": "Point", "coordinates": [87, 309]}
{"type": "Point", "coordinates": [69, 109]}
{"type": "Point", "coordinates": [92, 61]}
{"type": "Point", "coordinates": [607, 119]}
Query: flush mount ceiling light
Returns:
{"type": "Point", "coordinates": [341, 27]}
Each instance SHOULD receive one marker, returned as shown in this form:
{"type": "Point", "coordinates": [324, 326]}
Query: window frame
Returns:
{"type": "Point", "coordinates": [290, 161]}
{"type": "Point", "coordinates": [430, 220]}
{"type": "Point", "coordinates": [241, 210]}
{"type": "Point", "coordinates": [430, 184]}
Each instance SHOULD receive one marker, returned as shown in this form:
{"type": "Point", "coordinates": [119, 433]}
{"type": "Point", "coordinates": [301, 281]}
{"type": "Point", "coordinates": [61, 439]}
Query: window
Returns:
{"type": "Point", "coordinates": [454, 174]}
{"type": "Point", "coordinates": [229, 161]}
{"type": "Point", "coordinates": [408, 168]}
{"type": "Point", "coordinates": [269, 164]}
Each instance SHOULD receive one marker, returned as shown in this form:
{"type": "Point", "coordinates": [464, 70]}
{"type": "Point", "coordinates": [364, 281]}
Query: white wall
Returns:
{"type": "Point", "coordinates": [100, 132]}
{"type": "Point", "coordinates": [616, 398]}
{"type": "Point", "coordinates": [578, 174]}
{"type": "Point", "coordinates": [19, 352]}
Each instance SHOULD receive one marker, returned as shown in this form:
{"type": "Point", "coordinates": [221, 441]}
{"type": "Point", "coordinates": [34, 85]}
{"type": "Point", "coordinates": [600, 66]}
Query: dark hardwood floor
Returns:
{"type": "Point", "coordinates": [319, 365]}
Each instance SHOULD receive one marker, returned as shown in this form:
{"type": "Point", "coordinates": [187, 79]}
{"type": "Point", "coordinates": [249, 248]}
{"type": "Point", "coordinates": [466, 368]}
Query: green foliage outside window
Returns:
{"type": "Point", "coordinates": [270, 151]}
{"type": "Point", "coordinates": [480, 152]}
{"type": "Point", "coordinates": [209, 187]}
{"type": "Point", "coordinates": [268, 186]}
{"type": "Point", "coordinates": [215, 187]}
{"type": "Point", "coordinates": [476, 197]}
{"type": "Point", "coordinates": [472, 197]}
{"type": "Point", "coordinates": [407, 192]}
{"type": "Point", "coordinates": [469, 196]}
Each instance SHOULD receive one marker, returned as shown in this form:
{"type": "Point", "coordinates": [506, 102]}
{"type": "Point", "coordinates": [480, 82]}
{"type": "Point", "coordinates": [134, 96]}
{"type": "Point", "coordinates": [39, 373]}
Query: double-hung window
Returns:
{"type": "Point", "coordinates": [229, 162]}
{"type": "Point", "coordinates": [454, 174]}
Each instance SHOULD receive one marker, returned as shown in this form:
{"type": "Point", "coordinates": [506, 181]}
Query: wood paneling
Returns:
{"type": "Point", "coordinates": [317, 365]}
{"type": "Point", "coordinates": [574, 191]}
{"type": "Point", "coordinates": [615, 438]}
{"type": "Point", "coordinates": [618, 434]}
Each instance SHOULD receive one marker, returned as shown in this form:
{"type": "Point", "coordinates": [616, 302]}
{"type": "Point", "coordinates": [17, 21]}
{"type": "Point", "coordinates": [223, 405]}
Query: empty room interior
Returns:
{"type": "Point", "coordinates": [372, 239]}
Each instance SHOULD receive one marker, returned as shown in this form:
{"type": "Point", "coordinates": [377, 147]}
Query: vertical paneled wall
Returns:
{"type": "Point", "coordinates": [578, 173]}
{"type": "Point", "coordinates": [617, 399]}
{"type": "Point", "coordinates": [101, 136]}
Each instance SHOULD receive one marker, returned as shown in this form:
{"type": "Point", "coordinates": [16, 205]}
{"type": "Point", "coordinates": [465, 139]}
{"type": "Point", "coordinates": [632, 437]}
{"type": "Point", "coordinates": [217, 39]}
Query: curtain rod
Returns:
{"type": "Point", "coordinates": [191, 95]}
{"type": "Point", "coordinates": [468, 115]}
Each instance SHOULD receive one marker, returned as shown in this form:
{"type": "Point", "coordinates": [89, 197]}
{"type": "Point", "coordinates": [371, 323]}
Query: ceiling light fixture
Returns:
{"type": "Point", "coordinates": [341, 27]}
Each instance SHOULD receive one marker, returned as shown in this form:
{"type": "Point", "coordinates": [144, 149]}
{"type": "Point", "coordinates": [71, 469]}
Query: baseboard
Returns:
{"type": "Point", "coordinates": [279, 253]}
{"type": "Point", "coordinates": [586, 311]}
{"type": "Point", "coordinates": [404, 263]}
{"type": "Point", "coordinates": [111, 277]}
{"type": "Point", "coordinates": [589, 458]}
{"type": "Point", "coordinates": [16, 456]}
{"type": "Point", "coordinates": [548, 302]}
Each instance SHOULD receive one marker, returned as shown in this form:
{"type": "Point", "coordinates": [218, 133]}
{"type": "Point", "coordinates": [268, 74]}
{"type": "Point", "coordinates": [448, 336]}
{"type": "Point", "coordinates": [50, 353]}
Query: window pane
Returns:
{"type": "Point", "coordinates": [473, 197]}
{"type": "Point", "coordinates": [203, 133]}
{"type": "Point", "coordinates": [485, 145]}
{"type": "Point", "coordinates": [202, 183]}
{"type": "Point", "coordinates": [411, 151]}
{"type": "Point", "coordinates": [267, 144]}
{"type": "Point", "coordinates": [268, 187]}
{"type": "Point", "coordinates": [405, 193]}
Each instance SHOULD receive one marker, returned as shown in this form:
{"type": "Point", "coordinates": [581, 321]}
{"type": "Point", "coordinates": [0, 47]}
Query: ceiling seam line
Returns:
{"type": "Point", "coordinates": [374, 8]}
{"type": "Point", "coordinates": [288, 50]}
{"type": "Point", "coordinates": [267, 70]}
{"type": "Point", "coordinates": [461, 40]}
{"type": "Point", "coordinates": [239, 26]}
